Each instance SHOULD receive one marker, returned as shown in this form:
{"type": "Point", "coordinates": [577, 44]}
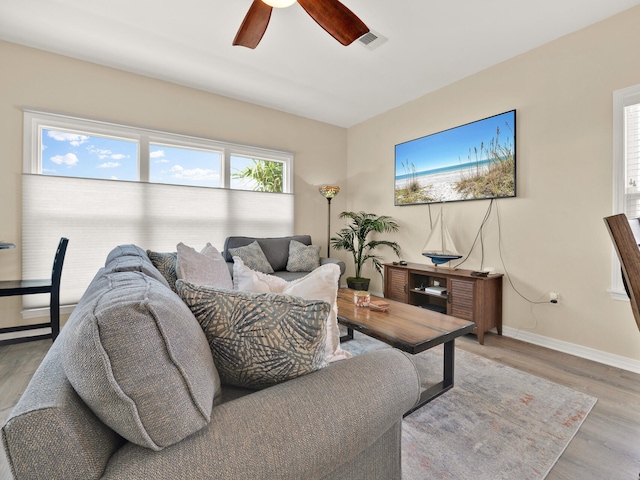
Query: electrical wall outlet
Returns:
{"type": "Point", "coordinates": [436, 283]}
{"type": "Point", "coordinates": [554, 297]}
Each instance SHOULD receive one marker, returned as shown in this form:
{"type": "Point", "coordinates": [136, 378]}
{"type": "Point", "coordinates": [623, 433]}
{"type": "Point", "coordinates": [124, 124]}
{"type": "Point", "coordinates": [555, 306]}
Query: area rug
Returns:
{"type": "Point", "coordinates": [495, 423]}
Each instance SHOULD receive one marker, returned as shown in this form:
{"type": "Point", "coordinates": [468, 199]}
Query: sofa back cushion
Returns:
{"type": "Point", "coordinates": [275, 249]}
{"type": "Point", "coordinates": [138, 358]}
{"type": "Point", "coordinates": [129, 262]}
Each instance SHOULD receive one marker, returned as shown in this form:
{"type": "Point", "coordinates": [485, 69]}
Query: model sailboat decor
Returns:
{"type": "Point", "coordinates": [439, 247]}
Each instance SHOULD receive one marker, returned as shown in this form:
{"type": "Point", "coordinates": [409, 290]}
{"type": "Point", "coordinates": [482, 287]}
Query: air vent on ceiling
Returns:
{"type": "Point", "coordinates": [372, 40]}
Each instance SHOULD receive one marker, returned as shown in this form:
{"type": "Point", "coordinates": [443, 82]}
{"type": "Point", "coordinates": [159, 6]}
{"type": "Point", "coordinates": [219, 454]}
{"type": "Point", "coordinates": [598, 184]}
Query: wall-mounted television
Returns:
{"type": "Point", "coordinates": [471, 162]}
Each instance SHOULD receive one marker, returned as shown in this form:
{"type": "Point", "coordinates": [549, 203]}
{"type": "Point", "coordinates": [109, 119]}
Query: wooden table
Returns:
{"type": "Point", "coordinates": [407, 328]}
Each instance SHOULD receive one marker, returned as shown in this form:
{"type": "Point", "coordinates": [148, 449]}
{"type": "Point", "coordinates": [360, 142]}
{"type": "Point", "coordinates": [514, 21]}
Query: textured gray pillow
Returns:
{"type": "Point", "coordinates": [253, 257]}
{"type": "Point", "coordinates": [259, 339]}
{"type": "Point", "coordinates": [205, 268]}
{"type": "Point", "coordinates": [138, 358]}
{"type": "Point", "coordinates": [303, 258]}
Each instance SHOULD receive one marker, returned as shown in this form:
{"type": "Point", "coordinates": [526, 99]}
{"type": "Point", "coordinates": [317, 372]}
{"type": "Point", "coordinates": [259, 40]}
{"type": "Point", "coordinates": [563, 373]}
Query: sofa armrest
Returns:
{"type": "Point", "coordinates": [304, 428]}
{"type": "Point", "coordinates": [340, 263]}
{"type": "Point", "coordinates": [52, 433]}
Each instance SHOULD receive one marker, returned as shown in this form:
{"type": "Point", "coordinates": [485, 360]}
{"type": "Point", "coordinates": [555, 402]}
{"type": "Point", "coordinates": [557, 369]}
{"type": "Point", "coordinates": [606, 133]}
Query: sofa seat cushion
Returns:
{"type": "Point", "coordinates": [136, 355]}
{"type": "Point", "coordinates": [259, 340]}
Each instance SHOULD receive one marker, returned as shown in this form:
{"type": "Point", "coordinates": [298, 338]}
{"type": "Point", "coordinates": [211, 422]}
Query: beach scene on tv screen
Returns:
{"type": "Point", "coordinates": [473, 161]}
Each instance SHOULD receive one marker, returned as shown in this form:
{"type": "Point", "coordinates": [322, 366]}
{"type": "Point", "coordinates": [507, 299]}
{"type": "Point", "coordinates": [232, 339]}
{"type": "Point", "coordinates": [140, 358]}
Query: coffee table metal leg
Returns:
{"type": "Point", "coordinates": [447, 378]}
{"type": "Point", "coordinates": [348, 336]}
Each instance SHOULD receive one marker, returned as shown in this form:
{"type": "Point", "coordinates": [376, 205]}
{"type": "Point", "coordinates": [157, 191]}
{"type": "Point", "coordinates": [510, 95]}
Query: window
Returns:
{"type": "Point", "coordinates": [75, 154]}
{"type": "Point", "coordinates": [102, 185]}
{"type": "Point", "coordinates": [626, 175]}
{"type": "Point", "coordinates": [66, 146]}
{"type": "Point", "coordinates": [256, 174]}
{"type": "Point", "coordinates": [184, 166]}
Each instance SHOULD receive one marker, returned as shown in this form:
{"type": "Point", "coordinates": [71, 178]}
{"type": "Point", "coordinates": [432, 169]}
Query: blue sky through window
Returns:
{"type": "Point", "coordinates": [78, 154]}
{"type": "Point", "coordinates": [184, 166]}
{"type": "Point", "coordinates": [73, 154]}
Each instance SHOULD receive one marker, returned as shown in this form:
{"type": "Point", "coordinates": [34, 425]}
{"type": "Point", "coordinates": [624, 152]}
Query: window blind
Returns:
{"type": "Point", "coordinates": [97, 215]}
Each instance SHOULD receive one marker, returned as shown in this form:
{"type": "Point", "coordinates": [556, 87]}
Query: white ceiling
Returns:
{"type": "Point", "coordinates": [298, 68]}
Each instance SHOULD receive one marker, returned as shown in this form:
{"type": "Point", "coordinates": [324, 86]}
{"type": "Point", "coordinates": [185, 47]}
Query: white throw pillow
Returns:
{"type": "Point", "coordinates": [320, 284]}
{"type": "Point", "coordinates": [205, 268]}
{"type": "Point", "coordinates": [247, 280]}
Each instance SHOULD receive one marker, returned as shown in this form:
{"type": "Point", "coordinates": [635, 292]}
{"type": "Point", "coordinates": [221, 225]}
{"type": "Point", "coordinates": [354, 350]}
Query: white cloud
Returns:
{"type": "Point", "coordinates": [109, 165]}
{"type": "Point", "coordinates": [101, 152]}
{"type": "Point", "coordinates": [157, 154]}
{"type": "Point", "coordinates": [73, 138]}
{"type": "Point", "coordinates": [194, 174]}
{"type": "Point", "coordinates": [69, 159]}
{"type": "Point", "coordinates": [106, 153]}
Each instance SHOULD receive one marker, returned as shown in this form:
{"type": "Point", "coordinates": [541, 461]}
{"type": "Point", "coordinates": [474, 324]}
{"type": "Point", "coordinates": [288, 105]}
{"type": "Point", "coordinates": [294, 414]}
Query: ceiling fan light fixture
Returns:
{"type": "Point", "coordinates": [279, 3]}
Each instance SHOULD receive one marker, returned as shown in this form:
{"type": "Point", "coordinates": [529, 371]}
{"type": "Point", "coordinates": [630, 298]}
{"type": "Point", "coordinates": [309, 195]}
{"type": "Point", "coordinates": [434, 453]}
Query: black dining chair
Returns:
{"type": "Point", "coordinates": [31, 287]}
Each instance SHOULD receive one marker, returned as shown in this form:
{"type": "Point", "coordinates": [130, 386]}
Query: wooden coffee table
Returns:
{"type": "Point", "coordinates": [407, 328]}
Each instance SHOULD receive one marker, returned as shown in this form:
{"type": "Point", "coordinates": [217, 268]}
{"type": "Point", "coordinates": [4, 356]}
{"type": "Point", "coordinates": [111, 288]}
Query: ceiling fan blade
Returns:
{"type": "Point", "coordinates": [254, 25]}
{"type": "Point", "coordinates": [340, 22]}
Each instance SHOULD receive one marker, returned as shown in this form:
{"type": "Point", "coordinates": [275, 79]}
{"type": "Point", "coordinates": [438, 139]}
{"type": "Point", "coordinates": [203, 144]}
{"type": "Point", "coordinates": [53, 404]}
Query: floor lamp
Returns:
{"type": "Point", "coordinates": [329, 192]}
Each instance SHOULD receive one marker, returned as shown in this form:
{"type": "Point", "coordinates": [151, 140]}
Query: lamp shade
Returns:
{"type": "Point", "coordinates": [279, 3]}
{"type": "Point", "coordinates": [329, 191]}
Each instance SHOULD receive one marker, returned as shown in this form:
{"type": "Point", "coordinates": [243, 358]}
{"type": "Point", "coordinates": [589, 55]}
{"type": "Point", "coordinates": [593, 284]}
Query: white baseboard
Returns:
{"type": "Point", "coordinates": [605, 358]}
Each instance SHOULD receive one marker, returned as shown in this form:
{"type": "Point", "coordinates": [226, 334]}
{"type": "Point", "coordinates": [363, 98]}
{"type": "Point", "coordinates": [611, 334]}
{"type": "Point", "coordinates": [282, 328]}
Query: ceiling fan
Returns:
{"type": "Point", "coordinates": [340, 22]}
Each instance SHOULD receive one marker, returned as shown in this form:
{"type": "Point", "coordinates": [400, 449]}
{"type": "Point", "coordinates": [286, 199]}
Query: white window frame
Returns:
{"type": "Point", "coordinates": [621, 99]}
{"type": "Point", "coordinates": [35, 120]}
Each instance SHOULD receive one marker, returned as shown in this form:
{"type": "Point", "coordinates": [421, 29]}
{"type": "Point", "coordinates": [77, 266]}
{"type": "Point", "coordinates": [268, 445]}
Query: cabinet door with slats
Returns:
{"type": "Point", "coordinates": [396, 284]}
{"type": "Point", "coordinates": [461, 292]}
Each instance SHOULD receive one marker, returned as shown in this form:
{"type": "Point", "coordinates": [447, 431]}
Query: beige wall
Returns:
{"type": "Point", "coordinates": [46, 81]}
{"type": "Point", "coordinates": [552, 234]}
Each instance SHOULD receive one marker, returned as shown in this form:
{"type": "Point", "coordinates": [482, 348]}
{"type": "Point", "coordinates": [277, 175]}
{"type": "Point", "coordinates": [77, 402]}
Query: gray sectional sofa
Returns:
{"type": "Point", "coordinates": [277, 252]}
{"type": "Point", "coordinates": [129, 390]}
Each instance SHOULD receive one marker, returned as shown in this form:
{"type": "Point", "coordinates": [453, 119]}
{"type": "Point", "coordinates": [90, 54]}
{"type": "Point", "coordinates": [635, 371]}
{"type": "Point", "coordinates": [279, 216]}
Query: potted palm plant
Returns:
{"type": "Point", "coordinates": [353, 238]}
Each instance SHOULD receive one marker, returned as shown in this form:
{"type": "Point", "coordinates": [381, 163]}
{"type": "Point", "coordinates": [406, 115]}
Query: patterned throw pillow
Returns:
{"type": "Point", "coordinates": [259, 339]}
{"type": "Point", "coordinates": [303, 258]}
{"type": "Point", "coordinates": [165, 262]}
{"type": "Point", "coordinates": [253, 257]}
{"type": "Point", "coordinates": [320, 284]}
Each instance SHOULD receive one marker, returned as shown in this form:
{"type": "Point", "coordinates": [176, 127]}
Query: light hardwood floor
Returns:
{"type": "Point", "coordinates": [607, 446]}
